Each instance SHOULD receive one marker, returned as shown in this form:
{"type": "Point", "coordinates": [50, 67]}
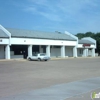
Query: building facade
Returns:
{"type": "Point", "coordinates": [17, 43]}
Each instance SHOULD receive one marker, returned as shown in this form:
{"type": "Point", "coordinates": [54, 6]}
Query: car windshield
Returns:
{"type": "Point", "coordinates": [42, 54]}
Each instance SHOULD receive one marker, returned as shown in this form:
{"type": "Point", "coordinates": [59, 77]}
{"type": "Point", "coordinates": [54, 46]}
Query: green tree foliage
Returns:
{"type": "Point", "coordinates": [80, 35]}
{"type": "Point", "coordinates": [89, 34]}
{"type": "Point", "coordinates": [95, 36]}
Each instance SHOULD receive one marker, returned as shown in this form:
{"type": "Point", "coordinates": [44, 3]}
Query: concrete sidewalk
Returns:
{"type": "Point", "coordinates": [67, 91]}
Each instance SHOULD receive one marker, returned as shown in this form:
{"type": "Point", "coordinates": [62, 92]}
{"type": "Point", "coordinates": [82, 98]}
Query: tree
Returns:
{"type": "Point", "coordinates": [97, 38]}
{"type": "Point", "coordinates": [89, 34]}
{"type": "Point", "coordinates": [80, 35]}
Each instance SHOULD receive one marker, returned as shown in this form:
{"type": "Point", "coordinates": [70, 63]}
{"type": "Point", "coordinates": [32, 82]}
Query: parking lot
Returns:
{"type": "Point", "coordinates": [17, 77]}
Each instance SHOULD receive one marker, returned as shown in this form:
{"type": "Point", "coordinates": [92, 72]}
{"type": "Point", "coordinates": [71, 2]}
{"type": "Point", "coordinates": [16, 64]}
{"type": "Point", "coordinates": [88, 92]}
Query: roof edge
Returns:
{"type": "Point", "coordinates": [5, 30]}
{"type": "Point", "coordinates": [73, 36]}
{"type": "Point", "coordinates": [40, 38]}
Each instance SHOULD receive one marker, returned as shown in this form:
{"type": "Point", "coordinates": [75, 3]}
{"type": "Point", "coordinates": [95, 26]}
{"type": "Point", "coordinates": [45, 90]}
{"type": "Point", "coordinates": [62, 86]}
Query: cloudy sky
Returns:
{"type": "Point", "coordinates": [74, 16]}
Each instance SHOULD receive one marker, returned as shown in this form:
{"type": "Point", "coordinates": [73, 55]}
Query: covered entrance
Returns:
{"type": "Point", "coordinates": [21, 51]}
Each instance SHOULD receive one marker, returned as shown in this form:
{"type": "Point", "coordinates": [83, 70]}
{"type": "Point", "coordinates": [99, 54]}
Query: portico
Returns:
{"type": "Point", "coordinates": [86, 47]}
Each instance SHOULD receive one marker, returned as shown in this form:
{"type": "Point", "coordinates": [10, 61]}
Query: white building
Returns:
{"type": "Point", "coordinates": [16, 43]}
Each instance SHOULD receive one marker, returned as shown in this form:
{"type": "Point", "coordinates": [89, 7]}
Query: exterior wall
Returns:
{"type": "Point", "coordinates": [69, 51]}
{"type": "Point", "coordinates": [28, 41]}
{"type": "Point", "coordinates": [2, 52]}
{"type": "Point", "coordinates": [55, 52]}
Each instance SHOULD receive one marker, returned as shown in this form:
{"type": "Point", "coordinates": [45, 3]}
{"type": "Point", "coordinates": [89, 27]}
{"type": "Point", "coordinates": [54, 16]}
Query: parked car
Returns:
{"type": "Point", "coordinates": [39, 57]}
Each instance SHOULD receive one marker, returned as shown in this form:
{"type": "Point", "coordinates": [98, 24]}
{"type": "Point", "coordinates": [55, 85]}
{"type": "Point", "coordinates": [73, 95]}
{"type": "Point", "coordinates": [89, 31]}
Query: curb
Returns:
{"type": "Point", "coordinates": [50, 59]}
{"type": "Point", "coordinates": [12, 60]}
{"type": "Point", "coordinates": [61, 58]}
{"type": "Point", "coordinates": [6, 60]}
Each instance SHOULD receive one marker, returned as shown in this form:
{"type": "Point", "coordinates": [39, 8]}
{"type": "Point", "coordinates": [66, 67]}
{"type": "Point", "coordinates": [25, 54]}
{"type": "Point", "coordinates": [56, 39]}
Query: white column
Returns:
{"type": "Point", "coordinates": [7, 52]}
{"type": "Point", "coordinates": [30, 50]}
{"type": "Point", "coordinates": [62, 51]}
{"type": "Point", "coordinates": [48, 50]}
{"type": "Point", "coordinates": [75, 51]}
{"type": "Point", "coordinates": [87, 52]}
{"type": "Point", "coordinates": [84, 52]}
{"type": "Point", "coordinates": [93, 52]}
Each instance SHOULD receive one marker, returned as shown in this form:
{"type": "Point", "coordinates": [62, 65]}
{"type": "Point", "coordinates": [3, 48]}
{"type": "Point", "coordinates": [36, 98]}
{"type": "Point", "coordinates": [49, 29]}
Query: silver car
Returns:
{"type": "Point", "coordinates": [39, 57]}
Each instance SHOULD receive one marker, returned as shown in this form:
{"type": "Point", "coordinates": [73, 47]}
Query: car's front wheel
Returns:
{"type": "Point", "coordinates": [29, 59]}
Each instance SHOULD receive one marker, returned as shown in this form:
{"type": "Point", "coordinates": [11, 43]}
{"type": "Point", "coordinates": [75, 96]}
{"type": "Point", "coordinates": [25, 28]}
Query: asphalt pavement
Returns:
{"type": "Point", "coordinates": [58, 79]}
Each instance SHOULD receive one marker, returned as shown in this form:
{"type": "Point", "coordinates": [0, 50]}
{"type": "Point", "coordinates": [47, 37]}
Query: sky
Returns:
{"type": "Point", "coordinates": [74, 16]}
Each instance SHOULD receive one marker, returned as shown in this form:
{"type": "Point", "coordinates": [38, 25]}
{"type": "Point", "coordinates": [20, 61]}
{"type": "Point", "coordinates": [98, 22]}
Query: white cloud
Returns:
{"type": "Point", "coordinates": [30, 9]}
{"type": "Point", "coordinates": [66, 8]}
{"type": "Point", "coordinates": [43, 8]}
{"type": "Point", "coordinates": [40, 2]}
{"type": "Point", "coordinates": [71, 14]}
{"type": "Point", "coordinates": [52, 17]}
